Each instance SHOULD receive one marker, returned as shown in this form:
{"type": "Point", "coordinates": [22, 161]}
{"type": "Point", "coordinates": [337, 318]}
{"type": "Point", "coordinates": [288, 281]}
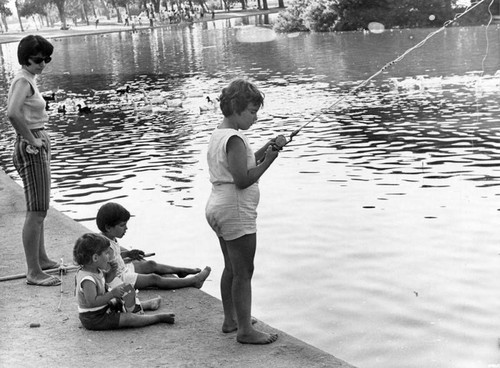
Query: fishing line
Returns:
{"type": "Point", "coordinates": [389, 64]}
{"type": "Point", "coordinates": [483, 61]}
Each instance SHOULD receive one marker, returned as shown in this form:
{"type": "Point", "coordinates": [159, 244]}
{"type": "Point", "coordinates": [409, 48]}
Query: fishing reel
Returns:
{"type": "Point", "coordinates": [279, 142]}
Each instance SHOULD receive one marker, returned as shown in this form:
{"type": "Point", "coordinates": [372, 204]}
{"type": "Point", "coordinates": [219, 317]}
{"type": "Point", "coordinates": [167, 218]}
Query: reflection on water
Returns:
{"type": "Point", "coordinates": [382, 213]}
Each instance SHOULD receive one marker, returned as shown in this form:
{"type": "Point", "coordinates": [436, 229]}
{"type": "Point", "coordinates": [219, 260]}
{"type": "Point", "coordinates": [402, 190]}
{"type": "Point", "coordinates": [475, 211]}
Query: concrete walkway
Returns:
{"type": "Point", "coordinates": [59, 340]}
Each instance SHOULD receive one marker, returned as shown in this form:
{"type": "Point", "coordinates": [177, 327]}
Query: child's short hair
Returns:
{"type": "Point", "coordinates": [87, 245]}
{"type": "Point", "coordinates": [32, 45]}
{"type": "Point", "coordinates": [111, 214]}
{"type": "Point", "coordinates": [235, 98]}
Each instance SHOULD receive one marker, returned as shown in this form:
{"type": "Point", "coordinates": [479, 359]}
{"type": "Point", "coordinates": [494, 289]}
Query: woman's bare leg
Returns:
{"type": "Point", "coordinates": [34, 245]}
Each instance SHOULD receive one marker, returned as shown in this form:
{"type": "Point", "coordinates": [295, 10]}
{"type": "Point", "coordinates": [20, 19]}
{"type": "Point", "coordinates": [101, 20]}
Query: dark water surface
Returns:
{"type": "Point", "coordinates": [378, 225]}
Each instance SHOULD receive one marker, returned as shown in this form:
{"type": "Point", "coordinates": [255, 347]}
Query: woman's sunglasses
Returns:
{"type": "Point", "coordinates": [38, 60]}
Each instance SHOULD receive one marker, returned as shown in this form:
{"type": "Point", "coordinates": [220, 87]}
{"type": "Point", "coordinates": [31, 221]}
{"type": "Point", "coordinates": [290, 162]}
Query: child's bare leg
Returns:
{"type": "Point", "coordinates": [241, 252]}
{"type": "Point", "coordinates": [147, 267]}
{"type": "Point", "coordinates": [167, 283]}
{"type": "Point", "coordinates": [141, 320]}
{"type": "Point", "coordinates": [151, 304]}
{"type": "Point", "coordinates": [226, 284]}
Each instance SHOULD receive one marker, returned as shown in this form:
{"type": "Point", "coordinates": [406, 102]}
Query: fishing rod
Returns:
{"type": "Point", "coordinates": [61, 270]}
{"type": "Point", "coordinates": [281, 141]}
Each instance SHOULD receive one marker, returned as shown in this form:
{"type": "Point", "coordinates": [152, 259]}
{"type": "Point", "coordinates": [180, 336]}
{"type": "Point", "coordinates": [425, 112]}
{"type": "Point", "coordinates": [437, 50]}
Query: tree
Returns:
{"type": "Point", "coordinates": [32, 7]}
{"type": "Point", "coordinates": [349, 15]}
{"type": "Point", "coordinates": [18, 16]}
{"type": "Point", "coordinates": [60, 4]}
{"type": "Point", "coordinates": [5, 12]}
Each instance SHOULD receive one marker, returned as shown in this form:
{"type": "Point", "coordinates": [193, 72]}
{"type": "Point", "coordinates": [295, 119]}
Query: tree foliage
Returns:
{"type": "Point", "coordinates": [349, 15]}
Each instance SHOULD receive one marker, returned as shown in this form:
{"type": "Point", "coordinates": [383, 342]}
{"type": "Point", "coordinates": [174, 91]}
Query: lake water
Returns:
{"type": "Point", "coordinates": [379, 230]}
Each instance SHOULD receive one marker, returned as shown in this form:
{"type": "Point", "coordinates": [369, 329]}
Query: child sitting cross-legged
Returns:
{"type": "Point", "coordinates": [92, 252]}
{"type": "Point", "coordinates": [112, 219]}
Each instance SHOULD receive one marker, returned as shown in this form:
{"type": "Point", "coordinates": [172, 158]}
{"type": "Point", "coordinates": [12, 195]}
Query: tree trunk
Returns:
{"type": "Point", "coordinates": [104, 6]}
{"type": "Point", "coordinates": [18, 17]}
{"type": "Point", "coordinates": [264, 5]}
{"type": "Point", "coordinates": [4, 19]}
{"type": "Point", "coordinates": [281, 3]}
{"type": "Point", "coordinates": [62, 14]}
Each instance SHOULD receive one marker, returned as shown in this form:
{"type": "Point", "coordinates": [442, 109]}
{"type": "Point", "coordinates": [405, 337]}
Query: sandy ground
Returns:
{"type": "Point", "coordinates": [59, 340]}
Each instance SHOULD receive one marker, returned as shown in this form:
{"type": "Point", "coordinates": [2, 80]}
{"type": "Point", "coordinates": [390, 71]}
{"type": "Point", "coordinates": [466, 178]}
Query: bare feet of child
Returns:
{"type": "Point", "coordinates": [151, 304]}
{"type": "Point", "coordinates": [183, 272]}
{"type": "Point", "coordinates": [256, 337]}
{"type": "Point", "coordinates": [201, 277]}
{"type": "Point", "coordinates": [167, 318]}
{"type": "Point", "coordinates": [231, 326]}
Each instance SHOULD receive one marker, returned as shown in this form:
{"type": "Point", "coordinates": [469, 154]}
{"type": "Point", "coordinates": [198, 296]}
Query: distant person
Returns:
{"type": "Point", "coordinates": [96, 22]}
{"type": "Point", "coordinates": [112, 221]}
{"type": "Point", "coordinates": [92, 253]}
{"type": "Point", "coordinates": [133, 24]}
{"type": "Point", "coordinates": [31, 158]}
{"type": "Point", "coordinates": [126, 20]}
{"type": "Point", "coordinates": [231, 208]}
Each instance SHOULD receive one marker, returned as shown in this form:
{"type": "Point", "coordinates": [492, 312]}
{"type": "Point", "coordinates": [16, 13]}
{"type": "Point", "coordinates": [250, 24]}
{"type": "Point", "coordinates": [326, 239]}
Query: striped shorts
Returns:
{"type": "Point", "coordinates": [34, 170]}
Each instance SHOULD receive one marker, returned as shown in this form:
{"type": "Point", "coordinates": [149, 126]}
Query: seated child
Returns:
{"type": "Point", "coordinates": [112, 220]}
{"type": "Point", "coordinates": [92, 252]}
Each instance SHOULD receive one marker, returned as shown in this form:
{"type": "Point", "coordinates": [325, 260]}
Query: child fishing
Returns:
{"type": "Point", "coordinates": [112, 219]}
{"type": "Point", "coordinates": [231, 208]}
{"type": "Point", "coordinates": [92, 253]}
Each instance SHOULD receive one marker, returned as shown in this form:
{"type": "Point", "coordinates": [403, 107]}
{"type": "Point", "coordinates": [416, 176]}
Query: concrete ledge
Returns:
{"type": "Point", "coordinates": [195, 340]}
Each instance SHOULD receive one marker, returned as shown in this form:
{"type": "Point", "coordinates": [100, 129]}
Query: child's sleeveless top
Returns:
{"type": "Point", "coordinates": [122, 267]}
{"type": "Point", "coordinates": [217, 156]}
{"type": "Point", "coordinates": [34, 106]}
{"type": "Point", "coordinates": [98, 280]}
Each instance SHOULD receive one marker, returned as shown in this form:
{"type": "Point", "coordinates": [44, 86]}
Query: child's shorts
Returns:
{"type": "Point", "coordinates": [34, 170]}
{"type": "Point", "coordinates": [103, 319]}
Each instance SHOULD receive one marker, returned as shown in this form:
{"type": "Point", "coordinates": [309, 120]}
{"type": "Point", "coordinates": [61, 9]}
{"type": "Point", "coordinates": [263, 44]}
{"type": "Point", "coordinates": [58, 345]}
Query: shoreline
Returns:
{"type": "Point", "coordinates": [112, 26]}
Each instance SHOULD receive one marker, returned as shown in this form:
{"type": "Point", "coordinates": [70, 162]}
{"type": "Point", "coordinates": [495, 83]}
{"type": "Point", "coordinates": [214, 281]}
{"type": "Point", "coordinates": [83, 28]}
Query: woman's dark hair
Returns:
{"type": "Point", "coordinates": [87, 245]}
{"type": "Point", "coordinates": [111, 214]}
{"type": "Point", "coordinates": [236, 97]}
{"type": "Point", "coordinates": [32, 45]}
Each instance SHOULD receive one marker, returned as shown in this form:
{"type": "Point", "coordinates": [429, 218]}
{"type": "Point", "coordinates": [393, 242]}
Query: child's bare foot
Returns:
{"type": "Point", "coordinates": [201, 277]}
{"type": "Point", "coordinates": [256, 337]}
{"type": "Point", "coordinates": [231, 326]}
{"type": "Point", "coordinates": [167, 318]}
{"type": "Point", "coordinates": [183, 272]}
{"type": "Point", "coordinates": [151, 304]}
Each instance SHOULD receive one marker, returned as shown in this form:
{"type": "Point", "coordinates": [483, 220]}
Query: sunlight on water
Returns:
{"type": "Point", "coordinates": [378, 224]}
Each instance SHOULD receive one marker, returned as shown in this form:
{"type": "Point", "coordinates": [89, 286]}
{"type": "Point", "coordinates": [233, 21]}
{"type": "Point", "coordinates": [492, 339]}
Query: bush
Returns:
{"type": "Point", "coordinates": [320, 16]}
{"type": "Point", "coordinates": [292, 19]}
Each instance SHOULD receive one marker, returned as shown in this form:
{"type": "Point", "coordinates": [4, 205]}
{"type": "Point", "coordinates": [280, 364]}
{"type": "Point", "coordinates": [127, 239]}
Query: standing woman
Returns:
{"type": "Point", "coordinates": [26, 113]}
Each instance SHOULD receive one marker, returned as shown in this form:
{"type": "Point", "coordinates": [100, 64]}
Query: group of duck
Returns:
{"type": "Point", "coordinates": [152, 101]}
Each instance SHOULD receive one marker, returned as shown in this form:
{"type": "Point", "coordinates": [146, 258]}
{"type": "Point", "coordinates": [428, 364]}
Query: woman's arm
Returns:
{"type": "Point", "coordinates": [237, 160]}
{"type": "Point", "coordinates": [21, 90]}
